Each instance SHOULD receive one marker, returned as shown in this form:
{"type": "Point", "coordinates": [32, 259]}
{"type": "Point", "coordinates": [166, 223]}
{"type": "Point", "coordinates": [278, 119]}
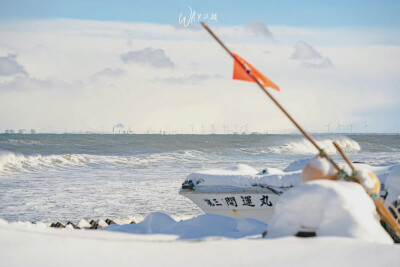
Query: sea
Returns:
{"type": "Point", "coordinates": [67, 177]}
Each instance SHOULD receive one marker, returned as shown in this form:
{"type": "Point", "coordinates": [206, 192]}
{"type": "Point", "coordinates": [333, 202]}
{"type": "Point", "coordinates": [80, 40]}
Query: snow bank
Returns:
{"type": "Point", "coordinates": [205, 225]}
{"type": "Point", "coordinates": [329, 208]}
{"type": "Point", "coordinates": [243, 176]}
{"type": "Point", "coordinates": [297, 165]}
{"type": "Point", "coordinates": [60, 247]}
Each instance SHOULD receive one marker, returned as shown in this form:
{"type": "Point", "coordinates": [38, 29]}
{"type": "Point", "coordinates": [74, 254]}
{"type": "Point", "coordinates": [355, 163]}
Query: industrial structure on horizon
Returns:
{"type": "Point", "coordinates": [20, 131]}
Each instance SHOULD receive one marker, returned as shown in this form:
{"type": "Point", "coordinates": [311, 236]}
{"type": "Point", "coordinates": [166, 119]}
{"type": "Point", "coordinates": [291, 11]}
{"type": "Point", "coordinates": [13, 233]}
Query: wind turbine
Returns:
{"type": "Point", "coordinates": [366, 127]}
{"type": "Point", "coordinates": [245, 126]}
{"type": "Point", "coordinates": [339, 125]}
{"type": "Point", "coordinates": [236, 128]}
{"type": "Point", "coordinates": [212, 128]}
{"type": "Point", "coordinates": [202, 128]}
{"type": "Point", "coordinates": [192, 127]}
{"type": "Point", "coordinates": [351, 127]}
{"type": "Point", "coordinates": [224, 126]}
{"type": "Point", "coordinates": [328, 125]}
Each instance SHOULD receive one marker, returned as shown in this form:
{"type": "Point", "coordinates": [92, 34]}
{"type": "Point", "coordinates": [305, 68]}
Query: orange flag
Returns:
{"type": "Point", "coordinates": [240, 74]}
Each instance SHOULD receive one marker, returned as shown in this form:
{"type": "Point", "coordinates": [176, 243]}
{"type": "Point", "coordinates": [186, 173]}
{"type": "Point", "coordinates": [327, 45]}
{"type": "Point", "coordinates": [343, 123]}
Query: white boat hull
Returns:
{"type": "Point", "coordinates": [258, 204]}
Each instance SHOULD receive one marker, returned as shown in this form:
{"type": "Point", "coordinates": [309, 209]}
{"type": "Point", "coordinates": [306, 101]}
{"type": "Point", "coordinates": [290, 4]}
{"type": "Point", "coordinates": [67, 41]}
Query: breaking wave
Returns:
{"type": "Point", "coordinates": [10, 162]}
{"type": "Point", "coordinates": [305, 147]}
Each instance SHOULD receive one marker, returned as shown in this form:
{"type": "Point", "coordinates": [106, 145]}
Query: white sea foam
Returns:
{"type": "Point", "coordinates": [24, 142]}
{"type": "Point", "coordinates": [305, 147]}
{"type": "Point", "coordinates": [11, 162]}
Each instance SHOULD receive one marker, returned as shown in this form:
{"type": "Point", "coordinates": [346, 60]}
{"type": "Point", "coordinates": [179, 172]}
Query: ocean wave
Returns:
{"type": "Point", "coordinates": [11, 162]}
{"type": "Point", "coordinates": [305, 147]}
{"type": "Point", "coordinates": [24, 142]}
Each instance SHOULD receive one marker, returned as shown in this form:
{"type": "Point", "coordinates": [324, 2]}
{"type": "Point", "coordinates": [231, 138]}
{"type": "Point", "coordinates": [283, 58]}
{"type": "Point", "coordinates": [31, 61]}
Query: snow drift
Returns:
{"type": "Point", "coordinates": [330, 208]}
{"type": "Point", "coordinates": [205, 225]}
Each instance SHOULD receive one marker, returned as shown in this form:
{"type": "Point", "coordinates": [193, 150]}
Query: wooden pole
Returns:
{"type": "Point", "coordinates": [344, 156]}
{"type": "Point", "coordinates": [385, 214]}
{"type": "Point", "coordinates": [321, 151]}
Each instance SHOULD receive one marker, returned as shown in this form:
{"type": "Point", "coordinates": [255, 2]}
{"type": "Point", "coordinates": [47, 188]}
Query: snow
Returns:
{"type": "Point", "coordinates": [366, 179]}
{"type": "Point", "coordinates": [240, 169]}
{"type": "Point", "coordinates": [322, 165]}
{"type": "Point", "coordinates": [297, 165]}
{"type": "Point", "coordinates": [83, 224]}
{"type": "Point", "coordinates": [245, 176]}
{"type": "Point", "coordinates": [23, 245]}
{"type": "Point", "coordinates": [341, 213]}
{"type": "Point", "coordinates": [205, 225]}
{"type": "Point", "coordinates": [381, 171]}
{"type": "Point", "coordinates": [330, 208]}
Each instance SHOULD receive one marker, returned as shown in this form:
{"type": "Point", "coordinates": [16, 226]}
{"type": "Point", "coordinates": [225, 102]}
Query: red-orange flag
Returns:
{"type": "Point", "coordinates": [240, 74]}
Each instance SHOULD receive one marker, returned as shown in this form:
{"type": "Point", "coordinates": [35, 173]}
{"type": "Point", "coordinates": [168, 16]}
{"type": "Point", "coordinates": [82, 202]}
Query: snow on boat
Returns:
{"type": "Point", "coordinates": [243, 192]}
{"type": "Point", "coordinates": [239, 192]}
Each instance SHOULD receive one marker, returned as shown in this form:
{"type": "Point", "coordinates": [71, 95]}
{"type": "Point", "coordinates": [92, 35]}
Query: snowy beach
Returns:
{"type": "Point", "coordinates": [32, 245]}
{"type": "Point", "coordinates": [47, 179]}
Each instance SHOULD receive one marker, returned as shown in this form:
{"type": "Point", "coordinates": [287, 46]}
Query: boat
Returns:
{"type": "Point", "coordinates": [239, 191]}
{"type": "Point", "coordinates": [244, 192]}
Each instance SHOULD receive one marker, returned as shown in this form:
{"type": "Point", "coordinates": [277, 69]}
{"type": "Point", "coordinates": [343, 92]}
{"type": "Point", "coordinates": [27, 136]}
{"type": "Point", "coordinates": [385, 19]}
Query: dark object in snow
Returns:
{"type": "Point", "coordinates": [57, 225]}
{"type": "Point", "coordinates": [92, 222]}
{"type": "Point", "coordinates": [133, 222]}
{"type": "Point", "coordinates": [188, 185]}
{"type": "Point", "coordinates": [306, 234]}
{"type": "Point", "coordinates": [299, 234]}
{"type": "Point", "coordinates": [389, 230]}
{"type": "Point", "coordinates": [109, 221]}
{"type": "Point", "coordinates": [99, 224]}
{"type": "Point", "coordinates": [264, 234]}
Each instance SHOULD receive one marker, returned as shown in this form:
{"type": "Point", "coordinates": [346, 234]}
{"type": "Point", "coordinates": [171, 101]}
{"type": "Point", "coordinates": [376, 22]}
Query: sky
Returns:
{"type": "Point", "coordinates": [90, 65]}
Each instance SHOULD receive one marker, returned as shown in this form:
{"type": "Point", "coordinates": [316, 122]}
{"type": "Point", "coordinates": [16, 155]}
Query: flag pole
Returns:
{"type": "Point", "coordinates": [380, 207]}
{"type": "Point", "coordinates": [383, 212]}
{"type": "Point", "coordinates": [321, 151]}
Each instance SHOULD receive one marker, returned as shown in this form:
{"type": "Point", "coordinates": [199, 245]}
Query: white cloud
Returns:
{"type": "Point", "coordinates": [326, 63]}
{"type": "Point", "coordinates": [26, 84]}
{"type": "Point", "coordinates": [304, 51]}
{"type": "Point", "coordinates": [193, 78]}
{"type": "Point", "coordinates": [258, 28]}
{"type": "Point", "coordinates": [148, 57]}
{"type": "Point", "coordinates": [108, 72]}
{"type": "Point", "coordinates": [9, 66]}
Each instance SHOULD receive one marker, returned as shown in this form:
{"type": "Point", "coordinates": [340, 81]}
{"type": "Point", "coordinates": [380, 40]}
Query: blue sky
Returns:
{"type": "Point", "coordinates": [74, 65]}
{"type": "Point", "coordinates": [339, 13]}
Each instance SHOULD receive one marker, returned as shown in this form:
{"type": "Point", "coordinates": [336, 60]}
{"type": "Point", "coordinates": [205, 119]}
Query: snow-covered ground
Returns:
{"type": "Point", "coordinates": [30, 245]}
{"type": "Point", "coordinates": [341, 214]}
